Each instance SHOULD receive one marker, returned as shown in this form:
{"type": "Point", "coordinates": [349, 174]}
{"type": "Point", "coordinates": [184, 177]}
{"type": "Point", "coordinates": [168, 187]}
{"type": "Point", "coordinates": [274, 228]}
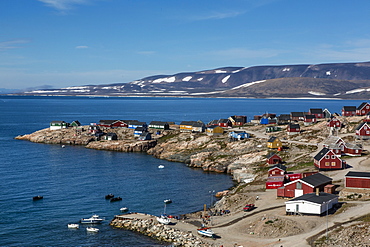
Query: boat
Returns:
{"type": "Point", "coordinates": [115, 199]}
{"type": "Point", "coordinates": [73, 226]}
{"type": "Point", "coordinates": [167, 201]}
{"type": "Point", "coordinates": [36, 198]}
{"type": "Point", "coordinates": [163, 219]}
{"type": "Point", "coordinates": [109, 196]}
{"type": "Point", "coordinates": [92, 229]}
{"type": "Point", "coordinates": [94, 219]}
{"type": "Point", "coordinates": [206, 231]}
{"type": "Point", "coordinates": [161, 166]}
{"type": "Point", "coordinates": [124, 209]}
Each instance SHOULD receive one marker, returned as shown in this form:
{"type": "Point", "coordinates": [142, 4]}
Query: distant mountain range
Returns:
{"type": "Point", "coordinates": [335, 80]}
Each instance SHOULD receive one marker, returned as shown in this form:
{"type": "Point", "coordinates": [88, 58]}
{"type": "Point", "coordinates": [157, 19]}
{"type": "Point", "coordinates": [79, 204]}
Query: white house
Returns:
{"type": "Point", "coordinates": [312, 203]}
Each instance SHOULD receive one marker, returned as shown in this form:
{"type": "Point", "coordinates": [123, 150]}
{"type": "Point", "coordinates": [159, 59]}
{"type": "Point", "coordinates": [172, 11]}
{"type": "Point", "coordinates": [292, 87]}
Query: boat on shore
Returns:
{"type": "Point", "coordinates": [94, 219]}
{"type": "Point", "coordinates": [163, 219]}
{"type": "Point", "coordinates": [206, 231]}
{"type": "Point", "coordinates": [73, 226]}
{"type": "Point", "coordinates": [92, 229]}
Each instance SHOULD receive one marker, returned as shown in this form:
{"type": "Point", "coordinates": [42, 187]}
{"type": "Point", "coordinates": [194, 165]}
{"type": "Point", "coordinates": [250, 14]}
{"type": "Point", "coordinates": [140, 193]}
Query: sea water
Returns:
{"type": "Point", "coordinates": [74, 180]}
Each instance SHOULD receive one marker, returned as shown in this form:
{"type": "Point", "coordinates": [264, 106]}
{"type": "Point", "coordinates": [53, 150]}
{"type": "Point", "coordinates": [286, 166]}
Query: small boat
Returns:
{"type": "Point", "coordinates": [109, 196]}
{"type": "Point", "coordinates": [115, 199]}
{"type": "Point", "coordinates": [124, 209]}
{"type": "Point", "coordinates": [92, 220]}
{"type": "Point", "coordinates": [36, 198]}
{"type": "Point", "coordinates": [167, 201]}
{"type": "Point", "coordinates": [161, 166]}
{"type": "Point", "coordinates": [92, 229]}
{"type": "Point", "coordinates": [163, 219]}
{"type": "Point", "coordinates": [63, 146]}
{"type": "Point", "coordinates": [206, 231]}
{"type": "Point", "coordinates": [73, 226]}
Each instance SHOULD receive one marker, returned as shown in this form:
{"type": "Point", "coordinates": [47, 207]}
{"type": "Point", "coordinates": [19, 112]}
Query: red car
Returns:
{"type": "Point", "coordinates": [248, 207]}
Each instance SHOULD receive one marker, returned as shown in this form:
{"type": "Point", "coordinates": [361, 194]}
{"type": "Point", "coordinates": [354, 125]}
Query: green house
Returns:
{"type": "Point", "coordinates": [56, 125]}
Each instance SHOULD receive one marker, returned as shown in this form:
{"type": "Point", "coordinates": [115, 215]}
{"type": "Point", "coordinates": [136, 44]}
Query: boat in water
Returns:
{"type": "Point", "coordinates": [36, 198]}
{"type": "Point", "coordinates": [167, 201]}
{"type": "Point", "coordinates": [94, 219]}
{"type": "Point", "coordinates": [163, 219]}
{"type": "Point", "coordinates": [124, 209]}
{"type": "Point", "coordinates": [73, 226]}
{"type": "Point", "coordinates": [116, 199]}
{"type": "Point", "coordinates": [206, 231]}
{"type": "Point", "coordinates": [161, 166]}
{"type": "Point", "coordinates": [109, 196]}
{"type": "Point", "coordinates": [92, 229]}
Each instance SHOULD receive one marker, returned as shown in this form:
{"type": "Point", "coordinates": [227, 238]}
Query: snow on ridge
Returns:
{"type": "Point", "coordinates": [286, 69]}
{"type": "Point", "coordinates": [358, 90]}
{"type": "Point", "coordinates": [248, 84]}
{"type": "Point", "coordinates": [236, 71]}
{"type": "Point", "coordinates": [48, 91]}
{"type": "Point", "coordinates": [166, 79]}
{"type": "Point", "coordinates": [200, 79]}
{"type": "Point", "coordinates": [188, 78]}
{"type": "Point", "coordinates": [224, 80]}
{"type": "Point", "coordinates": [218, 71]}
{"type": "Point", "coordinates": [77, 87]}
{"type": "Point", "coordinates": [316, 93]}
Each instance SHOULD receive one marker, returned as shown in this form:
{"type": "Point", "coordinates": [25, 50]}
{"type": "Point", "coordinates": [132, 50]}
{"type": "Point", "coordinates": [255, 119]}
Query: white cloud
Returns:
{"type": "Point", "coordinates": [13, 44]}
{"type": "Point", "coordinates": [62, 5]}
{"type": "Point", "coordinates": [81, 47]}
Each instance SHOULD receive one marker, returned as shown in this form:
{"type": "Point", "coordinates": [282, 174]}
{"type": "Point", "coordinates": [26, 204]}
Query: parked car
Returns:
{"type": "Point", "coordinates": [248, 207]}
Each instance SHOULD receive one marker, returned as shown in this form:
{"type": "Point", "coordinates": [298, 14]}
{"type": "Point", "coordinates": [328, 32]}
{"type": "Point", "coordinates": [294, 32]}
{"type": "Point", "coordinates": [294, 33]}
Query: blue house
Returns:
{"type": "Point", "coordinates": [239, 135]}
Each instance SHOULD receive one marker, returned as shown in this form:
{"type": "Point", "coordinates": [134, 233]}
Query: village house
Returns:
{"type": "Point", "coordinates": [357, 180]}
{"type": "Point", "coordinates": [363, 109]}
{"type": "Point", "coordinates": [139, 130]}
{"type": "Point", "coordinates": [317, 112]}
{"type": "Point", "coordinates": [304, 186]}
{"type": "Point", "coordinates": [270, 129]}
{"type": "Point", "coordinates": [283, 119]}
{"type": "Point", "coordinates": [327, 113]}
{"type": "Point", "coordinates": [145, 136]}
{"type": "Point", "coordinates": [335, 144]}
{"type": "Point", "coordinates": [57, 125]}
{"type": "Point", "coordinates": [363, 131]}
{"type": "Point", "coordinates": [309, 119]}
{"type": "Point", "coordinates": [133, 124]}
{"type": "Point", "coordinates": [198, 127]}
{"type": "Point", "coordinates": [75, 123]}
{"type": "Point", "coordinates": [224, 123]}
{"type": "Point", "coordinates": [238, 135]}
{"type": "Point", "coordinates": [273, 158]}
{"type": "Point", "coordinates": [328, 160]}
{"type": "Point", "coordinates": [110, 136]}
{"type": "Point", "coordinates": [214, 130]}
{"type": "Point", "coordinates": [311, 204]}
{"type": "Point", "coordinates": [297, 116]}
{"type": "Point", "coordinates": [348, 111]}
{"type": "Point", "coordinates": [274, 142]}
{"type": "Point", "coordinates": [192, 126]}
{"type": "Point", "coordinates": [334, 123]}
{"type": "Point", "coordinates": [293, 129]}
{"type": "Point", "coordinates": [277, 170]}
{"type": "Point", "coordinates": [352, 149]}
{"type": "Point", "coordinates": [159, 125]}
{"type": "Point", "coordinates": [238, 120]}
{"type": "Point", "coordinates": [113, 124]}
{"type": "Point", "coordinates": [94, 129]}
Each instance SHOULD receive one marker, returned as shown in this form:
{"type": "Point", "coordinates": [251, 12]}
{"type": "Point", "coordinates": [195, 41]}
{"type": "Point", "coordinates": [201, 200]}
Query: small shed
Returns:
{"type": "Point", "coordinates": [110, 136]}
{"type": "Point", "coordinates": [145, 136]}
{"type": "Point", "coordinates": [311, 204]}
{"type": "Point", "coordinates": [359, 180]}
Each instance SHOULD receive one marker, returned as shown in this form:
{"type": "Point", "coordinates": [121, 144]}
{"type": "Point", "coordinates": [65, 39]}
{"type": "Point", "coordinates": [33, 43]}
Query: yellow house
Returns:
{"type": "Point", "coordinates": [214, 130]}
{"type": "Point", "coordinates": [274, 142]}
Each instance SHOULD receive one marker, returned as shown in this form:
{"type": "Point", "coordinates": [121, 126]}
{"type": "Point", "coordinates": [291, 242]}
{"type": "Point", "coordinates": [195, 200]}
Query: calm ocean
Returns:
{"type": "Point", "coordinates": [74, 180]}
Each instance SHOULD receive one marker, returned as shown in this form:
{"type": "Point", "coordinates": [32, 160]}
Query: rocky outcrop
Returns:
{"type": "Point", "coordinates": [123, 146]}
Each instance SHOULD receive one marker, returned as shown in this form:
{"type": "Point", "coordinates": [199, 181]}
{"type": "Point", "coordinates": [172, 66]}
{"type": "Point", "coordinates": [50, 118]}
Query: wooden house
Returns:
{"type": "Point", "coordinates": [352, 149]}
{"type": "Point", "coordinates": [274, 182]}
{"type": "Point", "coordinates": [133, 124]}
{"type": "Point", "coordinates": [317, 112]}
{"type": "Point", "coordinates": [57, 125]}
{"type": "Point", "coordinates": [238, 135]}
{"type": "Point", "coordinates": [145, 136]}
{"type": "Point", "coordinates": [198, 127]}
{"type": "Point", "coordinates": [349, 111]}
{"type": "Point", "coordinates": [328, 160]}
{"type": "Point", "coordinates": [223, 122]}
{"type": "Point", "coordinates": [110, 136]}
{"type": "Point", "coordinates": [363, 130]}
{"type": "Point", "coordinates": [311, 204]}
{"type": "Point", "coordinates": [270, 129]}
{"type": "Point", "coordinates": [238, 120]}
{"type": "Point", "coordinates": [75, 123]}
{"type": "Point", "coordinates": [274, 142]}
{"type": "Point", "coordinates": [363, 109]}
{"type": "Point", "coordinates": [333, 141]}
{"type": "Point", "coordinates": [293, 129]}
{"type": "Point", "coordinates": [113, 123]}
{"type": "Point", "coordinates": [309, 119]}
{"type": "Point", "coordinates": [139, 130]}
{"type": "Point", "coordinates": [159, 125]}
{"type": "Point", "coordinates": [214, 130]}
{"type": "Point", "coordinates": [334, 123]}
{"type": "Point", "coordinates": [277, 170]}
{"type": "Point", "coordinates": [192, 126]}
{"type": "Point", "coordinates": [327, 113]}
{"type": "Point", "coordinates": [358, 180]}
{"type": "Point", "coordinates": [273, 158]}
{"type": "Point", "coordinates": [283, 119]}
{"type": "Point", "coordinates": [297, 116]}
{"type": "Point", "coordinates": [94, 129]}
{"type": "Point", "coordinates": [304, 186]}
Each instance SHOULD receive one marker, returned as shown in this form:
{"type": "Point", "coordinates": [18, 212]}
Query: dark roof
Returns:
{"type": "Point", "coordinates": [111, 134]}
{"type": "Point", "coordinates": [361, 125]}
{"type": "Point", "coordinates": [269, 155]}
{"type": "Point", "coordinates": [158, 123]}
{"type": "Point", "coordinates": [272, 139]}
{"type": "Point", "coordinates": [316, 111]}
{"type": "Point", "coordinates": [284, 117]}
{"type": "Point", "coordinates": [363, 104]}
{"type": "Point", "coordinates": [316, 179]}
{"type": "Point", "coordinates": [197, 124]}
{"type": "Point", "coordinates": [312, 197]}
{"type": "Point", "coordinates": [349, 108]}
{"type": "Point", "coordinates": [141, 129]}
{"type": "Point", "coordinates": [310, 116]}
{"type": "Point", "coordinates": [297, 114]}
{"type": "Point", "coordinates": [57, 122]}
{"type": "Point", "coordinates": [294, 126]}
{"type": "Point", "coordinates": [213, 126]}
{"type": "Point", "coordinates": [321, 154]}
{"type": "Point", "coordinates": [358, 174]}
{"type": "Point", "coordinates": [281, 166]}
{"type": "Point", "coordinates": [188, 123]}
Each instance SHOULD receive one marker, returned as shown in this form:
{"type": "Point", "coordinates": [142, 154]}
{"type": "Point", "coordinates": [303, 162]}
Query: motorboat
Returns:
{"type": "Point", "coordinates": [109, 196]}
{"type": "Point", "coordinates": [124, 209]}
{"type": "Point", "coordinates": [36, 198]}
{"type": "Point", "coordinates": [92, 229]}
{"type": "Point", "coordinates": [167, 201]}
{"type": "Point", "coordinates": [73, 226]}
{"type": "Point", "coordinates": [94, 219]}
{"type": "Point", "coordinates": [161, 166]}
{"type": "Point", "coordinates": [115, 199]}
{"type": "Point", "coordinates": [206, 231]}
{"type": "Point", "coordinates": [163, 219]}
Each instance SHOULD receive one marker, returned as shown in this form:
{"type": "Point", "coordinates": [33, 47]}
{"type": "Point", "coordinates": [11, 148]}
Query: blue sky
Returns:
{"type": "Point", "coordinates": [61, 43]}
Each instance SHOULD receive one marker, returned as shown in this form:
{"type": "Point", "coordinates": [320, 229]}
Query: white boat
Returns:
{"type": "Point", "coordinates": [206, 231]}
{"type": "Point", "coordinates": [92, 229]}
{"type": "Point", "coordinates": [167, 201]}
{"type": "Point", "coordinates": [73, 226]}
{"type": "Point", "coordinates": [124, 209]}
{"type": "Point", "coordinates": [161, 166]}
{"type": "Point", "coordinates": [163, 219]}
{"type": "Point", "coordinates": [92, 220]}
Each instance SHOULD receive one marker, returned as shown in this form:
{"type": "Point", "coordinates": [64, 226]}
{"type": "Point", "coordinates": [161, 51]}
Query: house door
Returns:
{"type": "Point", "coordinates": [297, 208]}
{"type": "Point", "coordinates": [298, 192]}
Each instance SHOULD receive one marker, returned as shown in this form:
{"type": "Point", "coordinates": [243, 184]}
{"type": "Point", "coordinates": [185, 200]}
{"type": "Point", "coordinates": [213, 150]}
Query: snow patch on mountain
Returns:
{"type": "Point", "coordinates": [248, 84]}
{"type": "Point", "coordinates": [224, 80]}
{"type": "Point", "coordinates": [166, 79]}
{"type": "Point", "coordinates": [218, 71]}
{"type": "Point", "coordinates": [316, 93]}
{"type": "Point", "coordinates": [357, 90]}
{"type": "Point", "coordinates": [200, 79]}
{"type": "Point", "coordinates": [188, 78]}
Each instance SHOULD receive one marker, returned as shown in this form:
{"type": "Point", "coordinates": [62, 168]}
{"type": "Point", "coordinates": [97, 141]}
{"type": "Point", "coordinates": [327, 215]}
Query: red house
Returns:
{"type": "Point", "coordinates": [297, 116]}
{"type": "Point", "coordinates": [318, 112]}
{"type": "Point", "coordinates": [238, 120]}
{"type": "Point", "coordinates": [113, 124]}
{"type": "Point", "coordinates": [328, 160]}
{"type": "Point", "coordinates": [363, 130]}
{"type": "Point", "coordinates": [334, 123]}
{"type": "Point", "coordinates": [274, 182]}
{"type": "Point", "coordinates": [348, 111]}
{"type": "Point", "coordinates": [309, 119]}
{"type": "Point", "coordinates": [304, 186]}
{"type": "Point", "coordinates": [359, 180]}
{"type": "Point", "coordinates": [273, 158]}
{"type": "Point", "coordinates": [352, 149]}
{"type": "Point", "coordinates": [277, 170]}
{"type": "Point", "coordinates": [293, 129]}
{"type": "Point", "coordinates": [363, 109]}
